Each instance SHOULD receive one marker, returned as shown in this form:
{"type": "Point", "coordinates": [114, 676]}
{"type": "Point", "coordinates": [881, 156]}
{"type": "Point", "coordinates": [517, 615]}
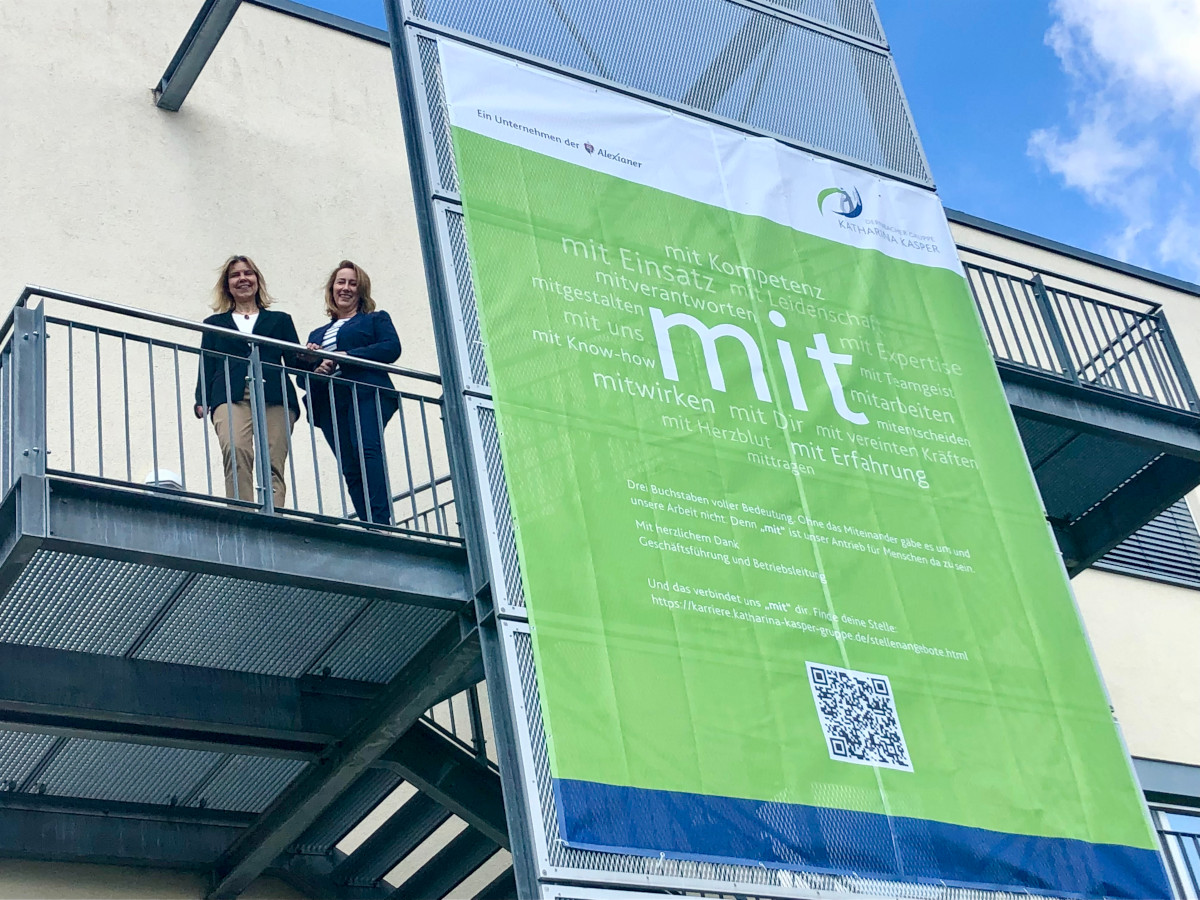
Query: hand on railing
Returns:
{"type": "Point", "coordinates": [324, 366]}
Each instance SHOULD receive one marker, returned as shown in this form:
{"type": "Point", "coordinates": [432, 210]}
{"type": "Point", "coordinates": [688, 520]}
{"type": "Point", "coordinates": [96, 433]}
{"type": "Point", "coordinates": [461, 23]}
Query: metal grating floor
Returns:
{"type": "Point", "coordinates": [142, 773]}
{"type": "Point", "coordinates": [68, 602]}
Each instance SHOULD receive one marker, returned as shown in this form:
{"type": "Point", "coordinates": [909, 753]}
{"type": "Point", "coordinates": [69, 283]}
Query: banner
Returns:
{"type": "Point", "coordinates": [793, 597]}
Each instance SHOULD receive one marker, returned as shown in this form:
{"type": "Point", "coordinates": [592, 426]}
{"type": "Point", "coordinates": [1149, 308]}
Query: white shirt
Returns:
{"type": "Point", "coordinates": [329, 341]}
{"type": "Point", "coordinates": [244, 323]}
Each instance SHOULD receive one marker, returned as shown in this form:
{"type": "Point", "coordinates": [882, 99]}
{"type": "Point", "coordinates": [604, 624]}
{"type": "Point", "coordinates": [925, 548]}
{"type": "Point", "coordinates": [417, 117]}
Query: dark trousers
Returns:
{"type": "Point", "coordinates": [359, 445]}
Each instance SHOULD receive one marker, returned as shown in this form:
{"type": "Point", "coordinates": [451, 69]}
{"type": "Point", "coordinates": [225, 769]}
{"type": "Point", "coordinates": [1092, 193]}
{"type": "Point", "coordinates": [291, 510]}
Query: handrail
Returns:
{"type": "Point", "coordinates": [126, 407]}
{"type": "Point", "coordinates": [1084, 340]}
{"type": "Point", "coordinates": [1151, 305]}
{"type": "Point", "coordinates": [32, 290]}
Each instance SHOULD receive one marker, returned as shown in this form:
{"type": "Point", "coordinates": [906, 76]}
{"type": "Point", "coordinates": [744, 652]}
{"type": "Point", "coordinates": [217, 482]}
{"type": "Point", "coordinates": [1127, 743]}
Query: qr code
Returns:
{"type": "Point", "coordinates": [858, 716]}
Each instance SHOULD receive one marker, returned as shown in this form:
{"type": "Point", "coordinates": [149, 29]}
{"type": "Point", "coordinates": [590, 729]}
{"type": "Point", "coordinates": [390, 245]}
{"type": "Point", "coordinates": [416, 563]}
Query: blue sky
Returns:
{"type": "Point", "coordinates": [1077, 120]}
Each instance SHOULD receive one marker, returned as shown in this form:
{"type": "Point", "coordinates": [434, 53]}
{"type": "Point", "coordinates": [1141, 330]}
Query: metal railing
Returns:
{"type": "Point", "coordinates": [104, 393]}
{"type": "Point", "coordinates": [1079, 332]}
{"type": "Point", "coordinates": [1182, 852]}
{"type": "Point", "coordinates": [465, 720]}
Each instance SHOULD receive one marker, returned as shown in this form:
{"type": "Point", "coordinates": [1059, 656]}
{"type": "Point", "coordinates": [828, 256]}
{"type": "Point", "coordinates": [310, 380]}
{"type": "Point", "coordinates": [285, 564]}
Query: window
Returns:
{"type": "Point", "coordinates": [1180, 835]}
{"type": "Point", "coordinates": [1165, 549]}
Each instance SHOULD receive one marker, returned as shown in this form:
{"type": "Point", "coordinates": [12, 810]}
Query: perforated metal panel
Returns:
{"type": "Point", "coordinates": [247, 783]}
{"type": "Point", "coordinates": [855, 17]}
{"type": "Point", "coordinates": [468, 312]}
{"type": "Point", "coordinates": [499, 512]}
{"type": "Point", "coordinates": [132, 773]}
{"type": "Point", "coordinates": [271, 629]}
{"type": "Point", "coordinates": [19, 753]}
{"type": "Point", "coordinates": [80, 603]}
{"type": "Point", "coordinates": [771, 74]}
{"type": "Point", "coordinates": [660, 871]}
{"type": "Point", "coordinates": [1108, 463]}
{"type": "Point", "coordinates": [381, 641]}
{"type": "Point", "coordinates": [439, 122]}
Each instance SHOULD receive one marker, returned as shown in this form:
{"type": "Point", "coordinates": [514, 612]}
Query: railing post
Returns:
{"type": "Point", "coordinates": [478, 741]}
{"type": "Point", "coordinates": [1177, 363]}
{"type": "Point", "coordinates": [29, 391]}
{"type": "Point", "coordinates": [262, 448]}
{"type": "Point", "coordinates": [1053, 329]}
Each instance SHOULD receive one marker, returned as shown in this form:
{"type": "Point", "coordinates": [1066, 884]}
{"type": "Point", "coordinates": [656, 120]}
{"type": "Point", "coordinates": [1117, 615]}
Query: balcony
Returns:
{"type": "Point", "coordinates": [1102, 398]}
{"type": "Point", "coordinates": [225, 684]}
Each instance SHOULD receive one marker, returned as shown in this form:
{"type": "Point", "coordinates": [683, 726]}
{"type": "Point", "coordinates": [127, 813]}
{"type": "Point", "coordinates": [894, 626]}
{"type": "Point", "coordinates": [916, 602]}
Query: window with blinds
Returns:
{"type": "Point", "coordinates": [1165, 549]}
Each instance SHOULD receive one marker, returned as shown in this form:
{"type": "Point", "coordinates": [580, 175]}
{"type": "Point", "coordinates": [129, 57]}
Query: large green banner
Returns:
{"type": "Point", "coordinates": [793, 597]}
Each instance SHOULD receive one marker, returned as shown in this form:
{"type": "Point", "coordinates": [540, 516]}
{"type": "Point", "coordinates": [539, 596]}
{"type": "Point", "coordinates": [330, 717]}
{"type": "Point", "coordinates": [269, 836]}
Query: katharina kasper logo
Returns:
{"type": "Point", "coordinates": [850, 207]}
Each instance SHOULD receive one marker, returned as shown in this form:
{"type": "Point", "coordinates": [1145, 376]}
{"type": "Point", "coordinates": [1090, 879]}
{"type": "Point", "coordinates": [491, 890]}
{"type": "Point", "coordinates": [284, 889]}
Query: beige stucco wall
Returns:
{"type": "Point", "coordinates": [23, 880]}
{"type": "Point", "coordinates": [1143, 633]}
{"type": "Point", "coordinates": [289, 148]}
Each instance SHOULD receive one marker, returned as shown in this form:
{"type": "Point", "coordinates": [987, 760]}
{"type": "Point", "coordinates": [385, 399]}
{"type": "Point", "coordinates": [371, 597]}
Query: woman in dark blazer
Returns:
{"type": "Point", "coordinates": [240, 299]}
{"type": "Point", "coordinates": [354, 430]}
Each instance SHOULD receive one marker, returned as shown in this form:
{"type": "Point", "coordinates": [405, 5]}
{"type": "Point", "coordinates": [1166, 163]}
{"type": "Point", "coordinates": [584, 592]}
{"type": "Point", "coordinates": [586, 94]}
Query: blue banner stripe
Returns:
{"type": "Point", "coordinates": [644, 822]}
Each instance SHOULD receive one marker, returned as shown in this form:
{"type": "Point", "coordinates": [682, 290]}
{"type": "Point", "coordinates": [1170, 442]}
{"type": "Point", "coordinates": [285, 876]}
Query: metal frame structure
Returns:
{"type": "Point", "coordinates": [132, 733]}
{"type": "Point", "coordinates": [189, 60]}
{"type": "Point", "coordinates": [173, 686]}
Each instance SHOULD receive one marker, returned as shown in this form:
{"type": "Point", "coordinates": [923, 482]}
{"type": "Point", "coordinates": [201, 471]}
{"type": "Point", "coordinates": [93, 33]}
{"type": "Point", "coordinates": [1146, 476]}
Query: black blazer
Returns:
{"type": "Point", "coordinates": [210, 380]}
{"type": "Point", "coordinates": [366, 336]}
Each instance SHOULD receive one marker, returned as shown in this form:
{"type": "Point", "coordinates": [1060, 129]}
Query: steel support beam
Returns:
{"type": "Point", "coordinates": [1100, 412]}
{"type": "Point", "coordinates": [399, 836]}
{"type": "Point", "coordinates": [466, 480]}
{"type": "Point", "coordinates": [347, 811]}
{"type": "Point", "coordinates": [175, 533]}
{"type": "Point", "coordinates": [65, 829]}
{"type": "Point", "coordinates": [447, 869]}
{"type": "Point", "coordinates": [310, 875]}
{"type": "Point", "coordinates": [28, 400]}
{"type": "Point", "coordinates": [442, 663]}
{"type": "Point", "coordinates": [89, 695]}
{"type": "Point", "coordinates": [198, 44]}
{"type": "Point", "coordinates": [452, 777]}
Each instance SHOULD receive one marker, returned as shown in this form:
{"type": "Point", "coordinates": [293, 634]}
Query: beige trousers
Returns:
{"type": "Point", "coordinates": [237, 440]}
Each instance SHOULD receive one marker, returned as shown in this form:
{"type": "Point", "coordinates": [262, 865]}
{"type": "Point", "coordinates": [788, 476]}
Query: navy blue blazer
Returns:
{"type": "Point", "coordinates": [366, 336]}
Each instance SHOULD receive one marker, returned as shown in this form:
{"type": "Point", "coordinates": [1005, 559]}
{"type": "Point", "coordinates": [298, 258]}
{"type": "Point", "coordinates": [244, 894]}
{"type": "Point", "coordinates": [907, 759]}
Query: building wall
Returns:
{"type": "Point", "coordinates": [288, 149]}
{"type": "Point", "coordinates": [26, 880]}
{"type": "Point", "coordinates": [1143, 632]}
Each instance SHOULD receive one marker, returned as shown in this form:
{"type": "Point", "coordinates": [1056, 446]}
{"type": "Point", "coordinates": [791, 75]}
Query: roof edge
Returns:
{"type": "Point", "coordinates": [329, 20]}
{"type": "Point", "coordinates": [1114, 265]}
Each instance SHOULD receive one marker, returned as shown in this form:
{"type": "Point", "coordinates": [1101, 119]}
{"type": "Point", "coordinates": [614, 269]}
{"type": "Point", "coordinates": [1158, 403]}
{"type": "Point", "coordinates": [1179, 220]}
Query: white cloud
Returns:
{"type": "Point", "coordinates": [1095, 160]}
{"type": "Point", "coordinates": [1132, 134]}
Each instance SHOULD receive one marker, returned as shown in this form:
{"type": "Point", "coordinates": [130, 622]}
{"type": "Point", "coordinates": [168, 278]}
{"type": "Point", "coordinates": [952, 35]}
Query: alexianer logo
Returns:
{"type": "Point", "coordinates": [850, 207]}
{"type": "Point", "coordinates": [589, 148]}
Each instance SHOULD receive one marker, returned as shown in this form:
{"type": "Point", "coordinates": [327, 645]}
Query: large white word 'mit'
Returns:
{"type": "Point", "coordinates": [819, 352]}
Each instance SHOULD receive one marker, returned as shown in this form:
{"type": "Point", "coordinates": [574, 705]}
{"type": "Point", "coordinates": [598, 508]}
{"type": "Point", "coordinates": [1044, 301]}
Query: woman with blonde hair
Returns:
{"type": "Point", "coordinates": [240, 301]}
{"type": "Point", "coordinates": [353, 409]}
